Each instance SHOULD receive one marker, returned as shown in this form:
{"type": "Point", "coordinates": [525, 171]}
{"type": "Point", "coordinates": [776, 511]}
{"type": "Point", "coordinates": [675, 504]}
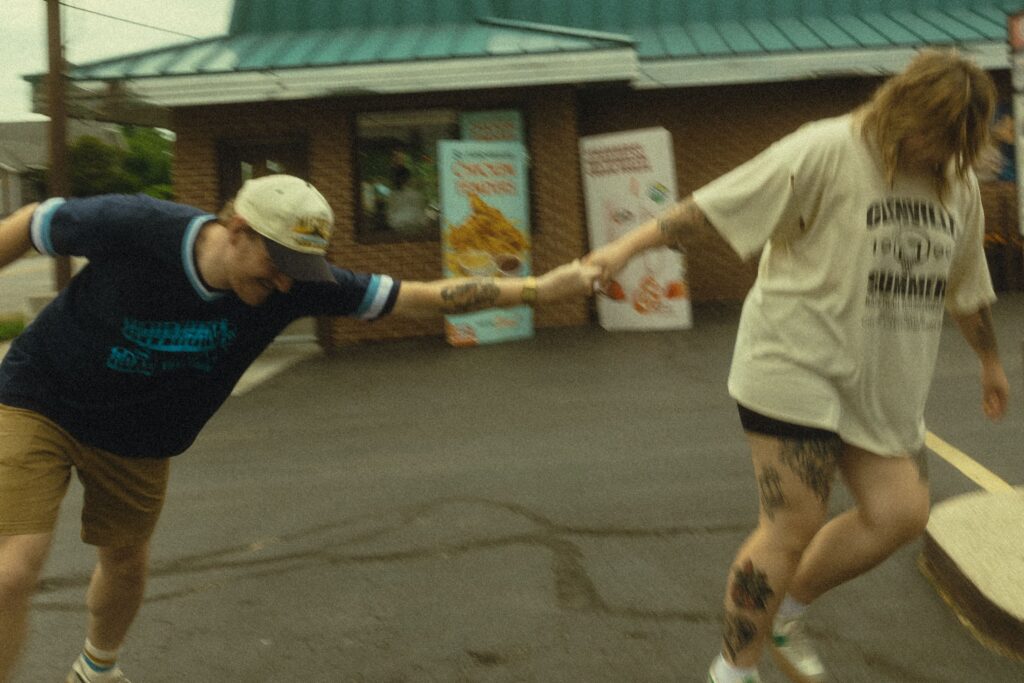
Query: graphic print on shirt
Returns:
{"type": "Point", "coordinates": [912, 244]}
{"type": "Point", "coordinates": [157, 346]}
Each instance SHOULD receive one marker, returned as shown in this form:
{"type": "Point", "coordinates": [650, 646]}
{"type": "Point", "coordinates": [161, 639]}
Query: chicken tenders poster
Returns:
{"type": "Point", "coordinates": [485, 232]}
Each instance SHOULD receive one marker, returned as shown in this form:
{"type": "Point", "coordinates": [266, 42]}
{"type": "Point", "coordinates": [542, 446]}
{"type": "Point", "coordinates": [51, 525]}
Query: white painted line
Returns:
{"type": "Point", "coordinates": [969, 467]}
{"type": "Point", "coordinates": [274, 361]}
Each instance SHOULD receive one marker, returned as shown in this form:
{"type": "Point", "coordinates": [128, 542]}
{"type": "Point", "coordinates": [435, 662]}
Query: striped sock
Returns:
{"type": "Point", "coordinates": [97, 660]}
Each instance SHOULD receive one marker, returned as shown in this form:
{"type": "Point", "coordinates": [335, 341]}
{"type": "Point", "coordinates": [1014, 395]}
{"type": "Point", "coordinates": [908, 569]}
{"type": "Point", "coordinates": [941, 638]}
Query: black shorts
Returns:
{"type": "Point", "coordinates": [762, 424]}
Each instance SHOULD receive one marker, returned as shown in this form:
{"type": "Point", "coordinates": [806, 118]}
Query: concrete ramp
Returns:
{"type": "Point", "coordinates": [974, 556]}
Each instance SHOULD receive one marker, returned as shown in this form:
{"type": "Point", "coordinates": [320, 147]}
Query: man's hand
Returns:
{"type": "Point", "coordinates": [567, 281]}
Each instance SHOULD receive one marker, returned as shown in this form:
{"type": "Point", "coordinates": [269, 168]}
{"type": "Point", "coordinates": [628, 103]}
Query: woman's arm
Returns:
{"type": "Point", "coordinates": [978, 330]}
{"type": "Point", "coordinates": [463, 295]}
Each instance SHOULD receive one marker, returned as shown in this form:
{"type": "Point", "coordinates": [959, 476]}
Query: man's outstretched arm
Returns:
{"type": "Point", "coordinates": [462, 295]}
{"type": "Point", "coordinates": [15, 237]}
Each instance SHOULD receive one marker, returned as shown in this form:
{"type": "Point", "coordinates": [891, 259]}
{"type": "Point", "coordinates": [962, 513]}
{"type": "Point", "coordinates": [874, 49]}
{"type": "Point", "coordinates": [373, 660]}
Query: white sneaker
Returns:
{"type": "Point", "coordinates": [746, 679]}
{"type": "Point", "coordinates": [793, 652]}
{"type": "Point", "coordinates": [81, 673]}
{"type": "Point", "coordinates": [712, 678]}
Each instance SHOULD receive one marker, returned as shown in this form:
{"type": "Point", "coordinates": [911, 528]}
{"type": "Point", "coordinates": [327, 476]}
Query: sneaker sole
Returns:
{"type": "Point", "coordinates": [790, 671]}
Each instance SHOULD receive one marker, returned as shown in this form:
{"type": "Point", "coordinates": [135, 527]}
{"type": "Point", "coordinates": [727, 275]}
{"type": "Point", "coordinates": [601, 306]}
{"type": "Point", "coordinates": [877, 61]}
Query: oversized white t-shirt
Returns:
{"type": "Point", "coordinates": [841, 328]}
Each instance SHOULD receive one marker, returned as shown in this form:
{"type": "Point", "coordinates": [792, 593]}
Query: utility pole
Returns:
{"type": "Point", "coordinates": [57, 179]}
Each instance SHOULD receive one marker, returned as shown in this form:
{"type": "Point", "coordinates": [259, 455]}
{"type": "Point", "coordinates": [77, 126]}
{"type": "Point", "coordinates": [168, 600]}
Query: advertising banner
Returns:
{"type": "Point", "coordinates": [485, 231]}
{"type": "Point", "coordinates": [628, 178]}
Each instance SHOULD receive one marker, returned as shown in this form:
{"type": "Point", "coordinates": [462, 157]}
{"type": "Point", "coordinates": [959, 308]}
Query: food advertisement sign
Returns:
{"type": "Point", "coordinates": [629, 178]}
{"type": "Point", "coordinates": [485, 231]}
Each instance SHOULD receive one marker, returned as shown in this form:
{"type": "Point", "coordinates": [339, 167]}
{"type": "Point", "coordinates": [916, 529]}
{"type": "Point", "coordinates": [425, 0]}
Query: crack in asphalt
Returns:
{"type": "Point", "coordinates": [573, 587]}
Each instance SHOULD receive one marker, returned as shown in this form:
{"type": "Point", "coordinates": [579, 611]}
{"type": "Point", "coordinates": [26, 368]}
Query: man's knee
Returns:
{"type": "Point", "coordinates": [21, 563]}
{"type": "Point", "coordinates": [125, 563]}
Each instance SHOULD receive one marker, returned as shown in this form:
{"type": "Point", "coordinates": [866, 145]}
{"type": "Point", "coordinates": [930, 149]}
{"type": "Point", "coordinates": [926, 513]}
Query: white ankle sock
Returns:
{"type": "Point", "coordinates": [727, 673]}
{"type": "Point", "coordinates": [97, 660]}
{"type": "Point", "coordinates": [790, 608]}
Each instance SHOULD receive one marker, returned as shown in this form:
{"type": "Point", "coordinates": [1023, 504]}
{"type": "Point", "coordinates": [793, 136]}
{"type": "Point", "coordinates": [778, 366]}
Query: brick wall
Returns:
{"type": "Point", "coordinates": [558, 226]}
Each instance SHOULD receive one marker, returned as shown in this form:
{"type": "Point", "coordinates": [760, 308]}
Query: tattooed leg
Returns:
{"type": "Point", "coordinates": [769, 484]}
{"type": "Point", "coordinates": [814, 460]}
{"type": "Point", "coordinates": [750, 589]}
{"type": "Point", "coordinates": [891, 497]}
{"type": "Point", "coordinates": [738, 634]}
{"type": "Point", "coordinates": [746, 618]}
{"type": "Point", "coordinates": [794, 478]}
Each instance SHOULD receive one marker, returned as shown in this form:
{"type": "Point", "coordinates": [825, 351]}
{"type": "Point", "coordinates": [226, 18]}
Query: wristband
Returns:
{"type": "Point", "coordinates": [529, 294]}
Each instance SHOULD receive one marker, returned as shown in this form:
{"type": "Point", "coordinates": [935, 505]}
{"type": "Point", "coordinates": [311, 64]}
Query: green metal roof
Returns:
{"type": "Point", "coordinates": [650, 42]}
{"type": "Point", "coordinates": [702, 26]}
{"type": "Point", "coordinates": [351, 45]}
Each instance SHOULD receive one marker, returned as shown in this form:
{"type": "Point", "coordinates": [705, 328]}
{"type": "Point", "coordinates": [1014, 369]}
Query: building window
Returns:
{"type": "Point", "coordinates": [396, 172]}
{"type": "Point", "coordinates": [240, 160]}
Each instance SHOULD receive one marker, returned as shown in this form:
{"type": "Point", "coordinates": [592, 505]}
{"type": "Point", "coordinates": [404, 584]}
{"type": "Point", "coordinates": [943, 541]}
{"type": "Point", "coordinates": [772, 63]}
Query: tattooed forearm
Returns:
{"type": "Point", "coordinates": [814, 460]}
{"type": "Point", "coordinates": [469, 296]}
{"type": "Point", "coordinates": [738, 633]}
{"type": "Point", "coordinates": [978, 330]}
{"type": "Point", "coordinates": [984, 333]}
{"type": "Point", "coordinates": [679, 220]}
{"type": "Point", "coordinates": [750, 589]}
{"type": "Point", "coordinates": [769, 484]}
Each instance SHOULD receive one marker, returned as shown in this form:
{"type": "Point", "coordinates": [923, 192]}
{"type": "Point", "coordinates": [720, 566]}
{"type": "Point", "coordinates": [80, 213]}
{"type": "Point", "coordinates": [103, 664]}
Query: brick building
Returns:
{"type": "Point", "coordinates": [326, 88]}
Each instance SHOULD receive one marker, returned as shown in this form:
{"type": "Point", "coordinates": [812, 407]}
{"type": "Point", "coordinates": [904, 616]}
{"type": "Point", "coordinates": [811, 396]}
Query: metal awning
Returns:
{"type": "Point", "coordinates": [651, 44]}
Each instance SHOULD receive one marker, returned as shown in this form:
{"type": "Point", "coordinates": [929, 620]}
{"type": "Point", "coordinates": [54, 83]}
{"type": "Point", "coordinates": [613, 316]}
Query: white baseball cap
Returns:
{"type": "Point", "coordinates": [295, 221]}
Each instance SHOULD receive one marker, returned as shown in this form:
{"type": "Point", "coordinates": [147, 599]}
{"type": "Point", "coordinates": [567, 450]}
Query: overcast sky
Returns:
{"type": "Point", "coordinates": [89, 37]}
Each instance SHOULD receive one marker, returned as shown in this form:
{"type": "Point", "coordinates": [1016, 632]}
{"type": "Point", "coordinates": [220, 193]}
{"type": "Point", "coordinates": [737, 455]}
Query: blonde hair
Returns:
{"type": "Point", "coordinates": [941, 96]}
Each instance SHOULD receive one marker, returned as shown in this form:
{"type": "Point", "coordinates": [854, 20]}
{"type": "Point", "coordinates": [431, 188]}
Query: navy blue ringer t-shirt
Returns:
{"type": "Point", "coordinates": [137, 353]}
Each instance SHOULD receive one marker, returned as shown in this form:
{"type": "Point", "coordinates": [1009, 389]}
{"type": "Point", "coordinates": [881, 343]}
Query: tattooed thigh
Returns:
{"type": "Point", "coordinates": [814, 460]}
{"type": "Point", "coordinates": [769, 485]}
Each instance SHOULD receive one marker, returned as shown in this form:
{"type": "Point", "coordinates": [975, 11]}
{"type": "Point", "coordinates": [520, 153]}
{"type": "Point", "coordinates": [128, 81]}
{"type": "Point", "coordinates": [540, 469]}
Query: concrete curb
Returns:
{"type": "Point", "coordinates": [974, 556]}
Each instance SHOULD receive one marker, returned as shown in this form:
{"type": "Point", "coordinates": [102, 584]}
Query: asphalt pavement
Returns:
{"type": "Point", "coordinates": [559, 509]}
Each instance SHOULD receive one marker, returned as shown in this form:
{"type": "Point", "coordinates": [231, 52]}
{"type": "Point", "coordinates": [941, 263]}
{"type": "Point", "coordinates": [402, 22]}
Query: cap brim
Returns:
{"type": "Point", "coordinates": [299, 266]}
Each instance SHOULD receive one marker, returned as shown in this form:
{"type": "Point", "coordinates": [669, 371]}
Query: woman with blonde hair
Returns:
{"type": "Point", "coordinates": [868, 226]}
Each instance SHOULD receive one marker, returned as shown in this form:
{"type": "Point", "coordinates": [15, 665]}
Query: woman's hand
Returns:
{"type": "Point", "coordinates": [995, 390]}
{"type": "Point", "coordinates": [567, 281]}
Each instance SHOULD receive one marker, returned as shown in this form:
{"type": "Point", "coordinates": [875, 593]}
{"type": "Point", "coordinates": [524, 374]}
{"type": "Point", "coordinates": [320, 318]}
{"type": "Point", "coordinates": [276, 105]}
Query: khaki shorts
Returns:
{"type": "Point", "coordinates": [123, 496]}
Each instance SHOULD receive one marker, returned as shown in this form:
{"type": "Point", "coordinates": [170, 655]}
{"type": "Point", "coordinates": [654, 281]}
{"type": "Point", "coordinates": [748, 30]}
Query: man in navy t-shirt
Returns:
{"type": "Point", "coordinates": [122, 370]}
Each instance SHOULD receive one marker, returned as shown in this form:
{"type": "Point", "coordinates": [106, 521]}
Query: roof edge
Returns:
{"type": "Point", "coordinates": [570, 31]}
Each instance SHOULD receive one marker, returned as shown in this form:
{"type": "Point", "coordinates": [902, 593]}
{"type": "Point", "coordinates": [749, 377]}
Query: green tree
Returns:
{"type": "Point", "coordinates": [97, 168]}
{"type": "Point", "coordinates": [149, 160]}
{"type": "Point", "coordinates": [145, 166]}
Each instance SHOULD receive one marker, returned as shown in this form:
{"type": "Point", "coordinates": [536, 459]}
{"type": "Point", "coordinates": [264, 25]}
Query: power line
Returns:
{"type": "Point", "coordinates": [128, 21]}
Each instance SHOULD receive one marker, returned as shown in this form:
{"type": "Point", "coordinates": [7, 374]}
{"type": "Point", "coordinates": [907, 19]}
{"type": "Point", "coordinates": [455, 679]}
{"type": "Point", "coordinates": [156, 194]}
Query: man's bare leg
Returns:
{"type": "Point", "coordinates": [21, 562]}
{"type": "Point", "coordinates": [115, 593]}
